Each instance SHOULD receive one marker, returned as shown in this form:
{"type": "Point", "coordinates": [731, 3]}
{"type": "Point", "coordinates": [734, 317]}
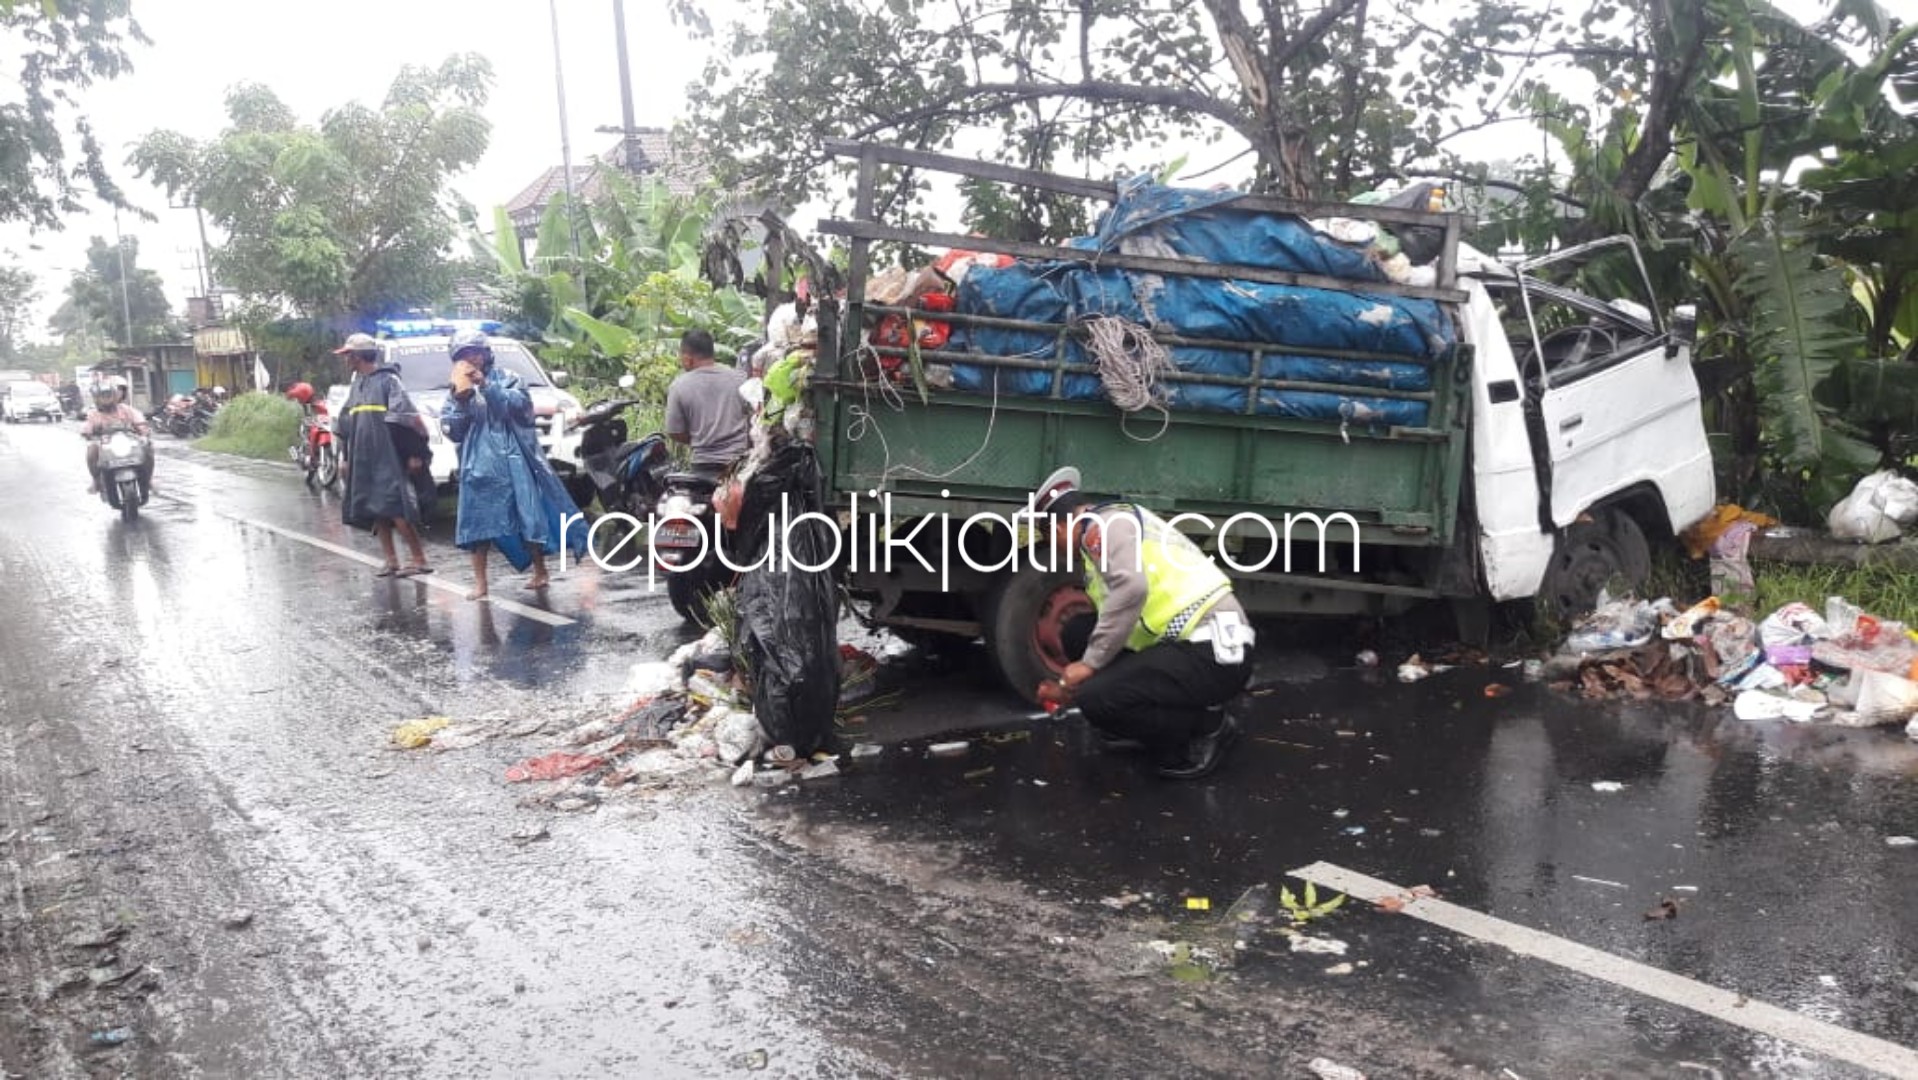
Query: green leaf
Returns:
{"type": "Point", "coordinates": [555, 231]}
{"type": "Point", "coordinates": [615, 341]}
{"type": "Point", "coordinates": [1795, 307]}
{"type": "Point", "coordinates": [506, 243]}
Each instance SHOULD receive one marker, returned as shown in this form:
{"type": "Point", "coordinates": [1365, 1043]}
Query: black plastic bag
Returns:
{"type": "Point", "coordinates": [1420, 243]}
{"type": "Point", "coordinates": [788, 618]}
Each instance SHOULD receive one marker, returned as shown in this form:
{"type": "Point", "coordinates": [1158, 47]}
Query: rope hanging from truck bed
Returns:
{"type": "Point", "coordinates": [1131, 364]}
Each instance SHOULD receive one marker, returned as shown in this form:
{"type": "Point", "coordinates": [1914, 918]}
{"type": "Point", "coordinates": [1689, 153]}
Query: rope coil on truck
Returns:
{"type": "Point", "coordinates": [1131, 365]}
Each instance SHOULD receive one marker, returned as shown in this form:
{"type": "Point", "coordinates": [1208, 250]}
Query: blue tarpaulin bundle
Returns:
{"type": "Point", "coordinates": [1149, 218]}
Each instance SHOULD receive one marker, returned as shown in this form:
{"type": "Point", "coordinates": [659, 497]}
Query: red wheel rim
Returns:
{"type": "Point", "coordinates": [1060, 607]}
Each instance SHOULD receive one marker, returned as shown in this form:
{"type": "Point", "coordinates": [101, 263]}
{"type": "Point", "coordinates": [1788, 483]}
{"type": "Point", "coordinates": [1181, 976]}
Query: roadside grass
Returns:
{"type": "Point", "coordinates": [646, 419]}
{"type": "Point", "coordinates": [254, 425]}
{"type": "Point", "coordinates": [1884, 591]}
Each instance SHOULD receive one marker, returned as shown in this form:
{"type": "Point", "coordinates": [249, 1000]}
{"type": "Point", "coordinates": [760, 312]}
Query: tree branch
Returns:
{"type": "Point", "coordinates": [1242, 51]}
{"type": "Point", "coordinates": [1669, 84]}
{"type": "Point", "coordinates": [1003, 94]}
{"type": "Point", "coordinates": [1582, 52]}
{"type": "Point", "coordinates": [1312, 31]}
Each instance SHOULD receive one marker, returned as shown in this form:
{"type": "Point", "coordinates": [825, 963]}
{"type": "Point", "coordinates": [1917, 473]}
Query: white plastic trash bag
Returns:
{"type": "Point", "coordinates": [656, 677]}
{"type": "Point", "coordinates": [1793, 624]}
{"type": "Point", "coordinates": [1884, 699]}
{"type": "Point", "coordinates": [1759, 705]}
{"type": "Point", "coordinates": [1878, 509]}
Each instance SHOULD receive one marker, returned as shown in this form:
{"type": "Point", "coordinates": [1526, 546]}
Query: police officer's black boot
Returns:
{"type": "Point", "coordinates": [1207, 751]}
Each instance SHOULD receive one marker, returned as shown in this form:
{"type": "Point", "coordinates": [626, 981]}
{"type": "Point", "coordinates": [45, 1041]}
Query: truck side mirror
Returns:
{"type": "Point", "coordinates": [1684, 331]}
{"type": "Point", "coordinates": [560, 379]}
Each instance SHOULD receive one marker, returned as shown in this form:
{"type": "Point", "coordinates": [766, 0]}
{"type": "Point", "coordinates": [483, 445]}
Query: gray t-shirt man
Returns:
{"type": "Point", "coordinates": [703, 407]}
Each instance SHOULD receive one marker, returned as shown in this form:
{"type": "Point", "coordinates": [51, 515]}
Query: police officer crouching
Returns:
{"type": "Point", "coordinates": [1172, 645]}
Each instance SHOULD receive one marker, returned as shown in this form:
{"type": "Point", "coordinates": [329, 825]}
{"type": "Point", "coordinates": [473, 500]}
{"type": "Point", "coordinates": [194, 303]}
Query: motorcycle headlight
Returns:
{"type": "Point", "coordinates": [120, 445]}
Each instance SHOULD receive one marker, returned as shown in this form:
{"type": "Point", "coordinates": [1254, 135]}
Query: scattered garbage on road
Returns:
{"type": "Point", "coordinates": [694, 714]}
{"type": "Point", "coordinates": [108, 1039]}
{"type": "Point", "coordinates": [1841, 666]}
{"type": "Point", "coordinates": [417, 733]}
{"type": "Point", "coordinates": [1327, 1069]}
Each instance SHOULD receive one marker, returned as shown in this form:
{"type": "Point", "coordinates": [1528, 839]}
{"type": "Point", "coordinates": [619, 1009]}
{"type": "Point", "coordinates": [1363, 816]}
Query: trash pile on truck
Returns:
{"type": "Point", "coordinates": [1324, 354]}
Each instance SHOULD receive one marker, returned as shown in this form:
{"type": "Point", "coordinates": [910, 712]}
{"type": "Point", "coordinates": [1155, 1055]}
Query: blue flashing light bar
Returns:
{"type": "Point", "coordinates": [398, 328]}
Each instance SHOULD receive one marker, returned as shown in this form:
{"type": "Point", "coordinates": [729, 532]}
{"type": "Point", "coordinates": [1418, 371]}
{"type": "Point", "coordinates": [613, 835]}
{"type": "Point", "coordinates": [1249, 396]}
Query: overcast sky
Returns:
{"type": "Point", "coordinates": [320, 56]}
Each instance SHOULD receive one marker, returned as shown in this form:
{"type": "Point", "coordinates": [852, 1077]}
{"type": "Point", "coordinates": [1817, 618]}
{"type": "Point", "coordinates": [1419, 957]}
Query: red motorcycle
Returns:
{"type": "Point", "coordinates": [315, 452]}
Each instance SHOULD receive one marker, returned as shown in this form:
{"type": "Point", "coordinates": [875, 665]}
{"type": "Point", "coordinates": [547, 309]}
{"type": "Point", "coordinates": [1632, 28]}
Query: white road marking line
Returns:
{"type": "Point", "coordinates": [430, 580]}
{"type": "Point", "coordinates": [1733, 1008]}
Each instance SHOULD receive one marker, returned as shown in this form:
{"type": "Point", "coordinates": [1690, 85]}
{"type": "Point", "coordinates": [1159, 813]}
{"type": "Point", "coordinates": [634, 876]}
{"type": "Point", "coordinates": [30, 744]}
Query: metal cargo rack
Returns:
{"type": "Point", "coordinates": [944, 450]}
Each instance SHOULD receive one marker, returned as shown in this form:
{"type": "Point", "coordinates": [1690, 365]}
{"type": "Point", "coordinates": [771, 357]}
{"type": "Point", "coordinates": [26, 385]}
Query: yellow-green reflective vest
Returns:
{"type": "Point", "coordinates": [1182, 582]}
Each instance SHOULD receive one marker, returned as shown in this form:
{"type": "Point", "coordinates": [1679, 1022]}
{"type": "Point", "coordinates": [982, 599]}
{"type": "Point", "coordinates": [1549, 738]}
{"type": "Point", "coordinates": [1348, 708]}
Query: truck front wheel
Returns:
{"type": "Point", "coordinates": [1036, 624]}
{"type": "Point", "coordinates": [1608, 551]}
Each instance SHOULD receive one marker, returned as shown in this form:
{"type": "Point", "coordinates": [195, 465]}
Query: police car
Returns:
{"type": "Point", "coordinates": [420, 349]}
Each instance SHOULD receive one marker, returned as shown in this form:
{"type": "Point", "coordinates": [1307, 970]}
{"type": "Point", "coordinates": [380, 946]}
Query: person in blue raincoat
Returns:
{"type": "Point", "coordinates": [509, 496]}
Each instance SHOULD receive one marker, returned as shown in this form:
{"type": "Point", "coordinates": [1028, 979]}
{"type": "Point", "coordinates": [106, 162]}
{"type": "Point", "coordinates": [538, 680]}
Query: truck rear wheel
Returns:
{"type": "Point", "coordinates": [1036, 624]}
{"type": "Point", "coordinates": [1607, 552]}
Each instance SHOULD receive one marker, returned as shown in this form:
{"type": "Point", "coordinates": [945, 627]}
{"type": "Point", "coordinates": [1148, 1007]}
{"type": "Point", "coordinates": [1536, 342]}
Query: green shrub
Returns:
{"type": "Point", "coordinates": [254, 425]}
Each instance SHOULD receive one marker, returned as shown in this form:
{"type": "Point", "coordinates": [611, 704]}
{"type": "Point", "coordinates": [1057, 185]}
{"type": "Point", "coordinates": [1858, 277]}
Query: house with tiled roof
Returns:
{"type": "Point", "coordinates": [649, 152]}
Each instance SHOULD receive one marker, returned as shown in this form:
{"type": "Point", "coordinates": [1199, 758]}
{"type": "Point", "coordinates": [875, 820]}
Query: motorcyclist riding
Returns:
{"type": "Point", "coordinates": [110, 411]}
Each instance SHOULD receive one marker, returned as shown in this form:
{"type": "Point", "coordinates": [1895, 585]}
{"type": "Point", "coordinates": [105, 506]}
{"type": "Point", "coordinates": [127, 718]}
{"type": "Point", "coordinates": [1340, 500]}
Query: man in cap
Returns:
{"type": "Point", "coordinates": [1172, 645]}
{"type": "Point", "coordinates": [382, 444]}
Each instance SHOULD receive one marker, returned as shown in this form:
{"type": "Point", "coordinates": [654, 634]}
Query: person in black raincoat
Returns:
{"type": "Point", "coordinates": [382, 451]}
{"type": "Point", "coordinates": [510, 498]}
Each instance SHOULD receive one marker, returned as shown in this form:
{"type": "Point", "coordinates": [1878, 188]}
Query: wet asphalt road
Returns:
{"type": "Point", "coordinates": [196, 714]}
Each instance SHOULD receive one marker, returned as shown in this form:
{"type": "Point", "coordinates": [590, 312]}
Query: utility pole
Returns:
{"type": "Point", "coordinates": [126, 306]}
{"type": "Point", "coordinates": [565, 141]}
{"type": "Point", "coordinates": [627, 139]}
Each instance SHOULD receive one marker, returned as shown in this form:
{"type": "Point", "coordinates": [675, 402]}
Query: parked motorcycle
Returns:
{"type": "Point", "coordinates": [175, 417]}
{"type": "Point", "coordinates": [315, 451]}
{"type": "Point", "coordinates": [687, 541]}
{"type": "Point", "coordinates": [123, 460]}
{"type": "Point", "coordinates": [634, 477]}
{"type": "Point", "coordinates": [625, 476]}
{"type": "Point", "coordinates": [206, 405]}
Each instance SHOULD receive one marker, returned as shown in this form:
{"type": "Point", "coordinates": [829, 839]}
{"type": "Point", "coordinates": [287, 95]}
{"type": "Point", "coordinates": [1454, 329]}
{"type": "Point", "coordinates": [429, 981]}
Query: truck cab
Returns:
{"type": "Point", "coordinates": [1587, 434]}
